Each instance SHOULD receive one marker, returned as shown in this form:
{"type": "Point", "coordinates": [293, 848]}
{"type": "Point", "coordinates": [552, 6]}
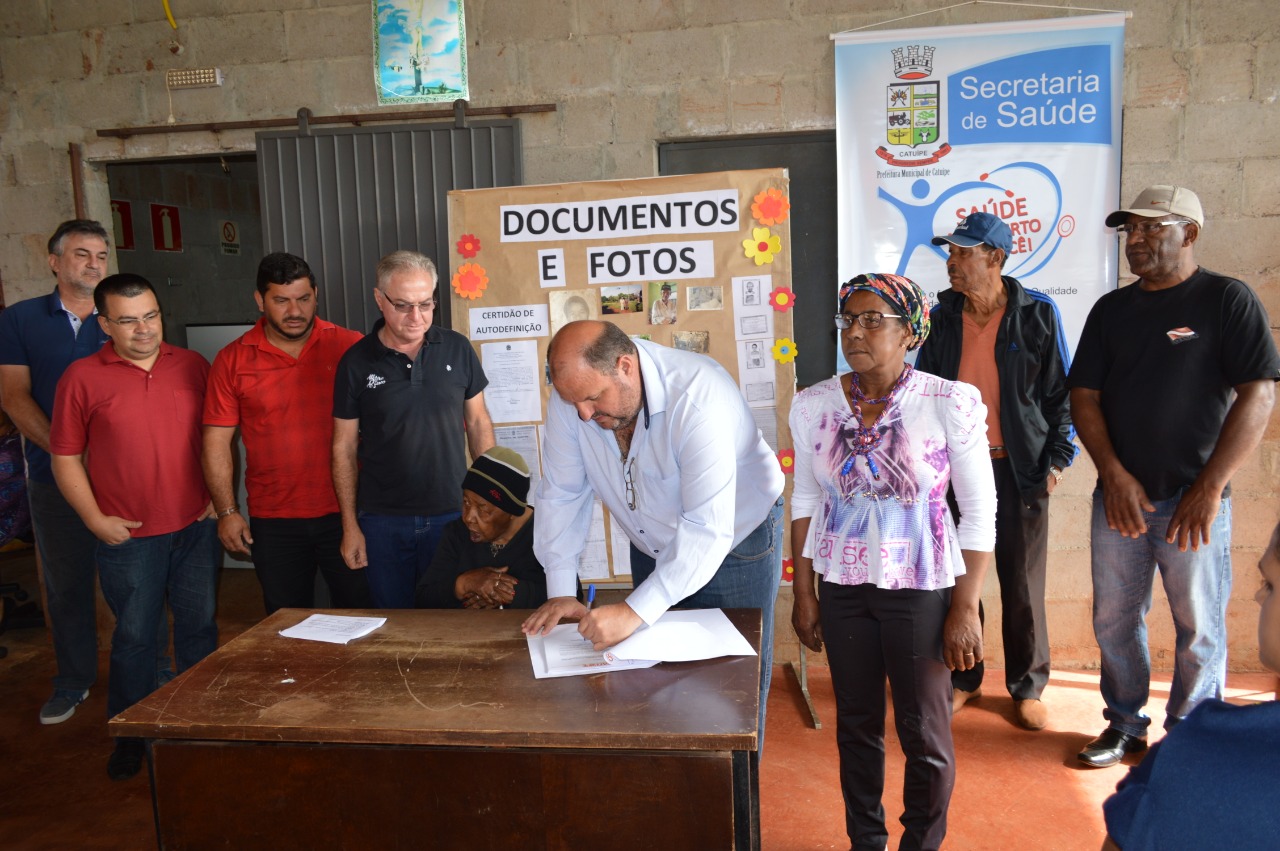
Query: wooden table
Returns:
{"type": "Point", "coordinates": [433, 733]}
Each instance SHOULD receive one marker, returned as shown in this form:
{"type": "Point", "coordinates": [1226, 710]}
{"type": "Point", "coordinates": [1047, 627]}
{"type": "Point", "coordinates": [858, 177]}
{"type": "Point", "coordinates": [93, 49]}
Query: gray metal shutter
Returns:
{"type": "Point", "coordinates": [343, 198]}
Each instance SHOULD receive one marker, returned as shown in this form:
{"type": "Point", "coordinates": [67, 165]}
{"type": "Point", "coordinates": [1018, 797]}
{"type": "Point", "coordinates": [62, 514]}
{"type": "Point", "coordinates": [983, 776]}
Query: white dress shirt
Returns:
{"type": "Point", "coordinates": [703, 477]}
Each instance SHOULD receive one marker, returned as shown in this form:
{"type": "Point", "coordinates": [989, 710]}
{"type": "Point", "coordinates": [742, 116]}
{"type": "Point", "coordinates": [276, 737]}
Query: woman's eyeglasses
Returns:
{"type": "Point", "coordinates": [869, 319]}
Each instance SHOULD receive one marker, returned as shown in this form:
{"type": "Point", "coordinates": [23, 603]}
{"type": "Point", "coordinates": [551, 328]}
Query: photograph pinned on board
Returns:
{"type": "Point", "coordinates": [626, 299]}
{"type": "Point", "coordinates": [752, 292]}
{"type": "Point", "coordinates": [705, 298]}
{"type": "Point", "coordinates": [692, 341]}
{"type": "Point", "coordinates": [565, 306]}
{"type": "Point", "coordinates": [662, 298]}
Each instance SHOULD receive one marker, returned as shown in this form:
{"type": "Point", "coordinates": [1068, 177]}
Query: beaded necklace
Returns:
{"type": "Point", "coordinates": [867, 438]}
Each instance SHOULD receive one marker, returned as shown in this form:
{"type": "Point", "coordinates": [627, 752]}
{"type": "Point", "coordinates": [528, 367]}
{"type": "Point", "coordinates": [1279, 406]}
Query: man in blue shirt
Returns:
{"type": "Point", "coordinates": [39, 339]}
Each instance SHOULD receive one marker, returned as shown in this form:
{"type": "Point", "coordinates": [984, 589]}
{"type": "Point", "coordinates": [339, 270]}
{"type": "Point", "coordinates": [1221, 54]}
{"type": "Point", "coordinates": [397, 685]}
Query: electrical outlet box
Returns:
{"type": "Point", "coordinates": [193, 78]}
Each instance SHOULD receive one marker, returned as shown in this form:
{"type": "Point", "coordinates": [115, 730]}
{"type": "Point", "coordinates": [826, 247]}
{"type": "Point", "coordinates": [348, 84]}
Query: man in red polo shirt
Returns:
{"type": "Point", "coordinates": [125, 445]}
{"type": "Point", "coordinates": [276, 384]}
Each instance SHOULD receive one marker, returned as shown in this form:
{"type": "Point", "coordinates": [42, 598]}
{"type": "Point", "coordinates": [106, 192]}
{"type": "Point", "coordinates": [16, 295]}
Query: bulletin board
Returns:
{"type": "Point", "coordinates": [529, 259]}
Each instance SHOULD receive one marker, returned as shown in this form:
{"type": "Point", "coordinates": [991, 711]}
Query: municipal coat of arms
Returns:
{"type": "Point", "coordinates": [913, 109]}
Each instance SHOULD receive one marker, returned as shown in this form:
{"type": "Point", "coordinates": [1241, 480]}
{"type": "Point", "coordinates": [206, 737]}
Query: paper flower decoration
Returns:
{"type": "Point", "coordinates": [784, 351]}
{"type": "Point", "coordinates": [782, 299]}
{"type": "Point", "coordinates": [762, 246]}
{"type": "Point", "coordinates": [788, 570]}
{"type": "Point", "coordinates": [469, 245]}
{"type": "Point", "coordinates": [787, 460]}
{"type": "Point", "coordinates": [470, 280]}
{"type": "Point", "coordinates": [770, 207]}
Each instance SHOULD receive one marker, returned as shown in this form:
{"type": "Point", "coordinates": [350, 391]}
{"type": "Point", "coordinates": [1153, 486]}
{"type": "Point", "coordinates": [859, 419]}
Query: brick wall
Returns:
{"type": "Point", "coordinates": [1201, 81]}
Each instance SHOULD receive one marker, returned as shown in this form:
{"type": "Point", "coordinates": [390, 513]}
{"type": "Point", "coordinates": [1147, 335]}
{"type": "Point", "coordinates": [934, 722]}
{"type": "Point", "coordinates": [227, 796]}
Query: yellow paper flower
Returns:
{"type": "Point", "coordinates": [770, 207]}
{"type": "Point", "coordinates": [784, 351]}
{"type": "Point", "coordinates": [762, 246]}
{"type": "Point", "coordinates": [470, 281]}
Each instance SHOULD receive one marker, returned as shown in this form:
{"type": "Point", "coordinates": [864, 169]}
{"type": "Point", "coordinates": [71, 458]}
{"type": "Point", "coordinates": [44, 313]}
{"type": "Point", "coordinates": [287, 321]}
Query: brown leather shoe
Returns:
{"type": "Point", "coordinates": [959, 697]}
{"type": "Point", "coordinates": [1031, 714]}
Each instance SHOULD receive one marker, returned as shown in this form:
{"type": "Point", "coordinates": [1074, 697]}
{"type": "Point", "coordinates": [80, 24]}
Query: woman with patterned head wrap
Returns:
{"type": "Point", "coordinates": [899, 582]}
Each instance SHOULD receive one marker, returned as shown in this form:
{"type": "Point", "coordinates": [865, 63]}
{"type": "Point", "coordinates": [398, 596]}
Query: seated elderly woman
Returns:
{"type": "Point", "coordinates": [485, 559]}
{"type": "Point", "coordinates": [898, 583]}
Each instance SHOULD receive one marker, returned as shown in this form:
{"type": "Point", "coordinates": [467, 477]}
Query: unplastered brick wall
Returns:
{"type": "Point", "coordinates": [1202, 78]}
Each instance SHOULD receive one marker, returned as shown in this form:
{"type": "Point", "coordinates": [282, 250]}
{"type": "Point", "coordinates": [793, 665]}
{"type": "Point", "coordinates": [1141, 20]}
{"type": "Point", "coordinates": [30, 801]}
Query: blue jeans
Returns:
{"type": "Point", "coordinates": [137, 577]}
{"type": "Point", "coordinates": [66, 548]}
{"type": "Point", "coordinates": [399, 549]}
{"type": "Point", "coordinates": [1198, 585]}
{"type": "Point", "coordinates": [748, 578]}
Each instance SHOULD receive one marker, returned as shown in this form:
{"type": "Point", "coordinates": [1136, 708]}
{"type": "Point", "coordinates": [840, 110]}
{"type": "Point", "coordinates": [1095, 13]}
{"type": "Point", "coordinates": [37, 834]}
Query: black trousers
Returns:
{"type": "Point", "coordinates": [1022, 554]}
{"type": "Point", "coordinates": [871, 633]}
{"type": "Point", "coordinates": [288, 551]}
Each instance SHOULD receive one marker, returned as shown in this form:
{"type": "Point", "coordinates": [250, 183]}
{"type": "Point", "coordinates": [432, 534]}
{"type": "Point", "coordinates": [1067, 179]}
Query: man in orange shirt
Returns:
{"type": "Point", "coordinates": [1007, 341]}
{"type": "Point", "coordinates": [275, 384]}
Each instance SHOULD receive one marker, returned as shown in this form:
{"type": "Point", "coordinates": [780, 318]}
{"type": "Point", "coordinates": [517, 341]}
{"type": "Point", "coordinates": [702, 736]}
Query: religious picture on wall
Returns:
{"type": "Point", "coordinates": [662, 298]}
{"type": "Point", "coordinates": [622, 300]}
{"type": "Point", "coordinates": [571, 305]}
{"type": "Point", "coordinates": [420, 51]}
{"type": "Point", "coordinates": [692, 341]}
{"type": "Point", "coordinates": [705, 298]}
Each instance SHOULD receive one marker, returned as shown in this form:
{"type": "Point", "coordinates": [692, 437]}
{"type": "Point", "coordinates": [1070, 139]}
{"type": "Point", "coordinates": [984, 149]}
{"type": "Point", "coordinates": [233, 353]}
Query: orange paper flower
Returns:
{"type": "Point", "coordinates": [470, 281]}
{"type": "Point", "coordinates": [784, 351]}
{"type": "Point", "coordinates": [770, 207]}
{"type": "Point", "coordinates": [787, 460]}
{"type": "Point", "coordinates": [782, 299]}
{"type": "Point", "coordinates": [762, 246]}
{"type": "Point", "coordinates": [788, 569]}
{"type": "Point", "coordinates": [469, 245]}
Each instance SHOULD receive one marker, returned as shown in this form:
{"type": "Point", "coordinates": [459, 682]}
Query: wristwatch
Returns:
{"type": "Point", "coordinates": [227, 512]}
{"type": "Point", "coordinates": [1056, 472]}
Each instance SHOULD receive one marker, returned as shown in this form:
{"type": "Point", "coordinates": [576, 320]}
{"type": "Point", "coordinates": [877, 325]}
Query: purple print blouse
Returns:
{"type": "Point", "coordinates": [895, 532]}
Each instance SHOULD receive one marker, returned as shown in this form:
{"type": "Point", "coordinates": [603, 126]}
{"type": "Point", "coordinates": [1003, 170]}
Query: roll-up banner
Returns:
{"type": "Point", "coordinates": [1018, 119]}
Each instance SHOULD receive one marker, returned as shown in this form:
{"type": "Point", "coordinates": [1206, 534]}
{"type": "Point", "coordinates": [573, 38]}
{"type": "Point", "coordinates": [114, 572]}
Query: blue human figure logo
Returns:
{"type": "Point", "coordinates": [919, 217]}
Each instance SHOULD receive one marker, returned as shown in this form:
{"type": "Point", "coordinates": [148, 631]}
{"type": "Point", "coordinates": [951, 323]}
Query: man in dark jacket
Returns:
{"type": "Point", "coordinates": [990, 332]}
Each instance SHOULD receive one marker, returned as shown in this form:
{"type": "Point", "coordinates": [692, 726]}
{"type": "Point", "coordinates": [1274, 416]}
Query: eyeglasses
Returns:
{"type": "Point", "coordinates": [1145, 229]}
{"type": "Point", "coordinates": [131, 321]}
{"type": "Point", "coordinates": [627, 470]}
{"type": "Point", "coordinates": [409, 306]}
{"type": "Point", "coordinates": [869, 319]}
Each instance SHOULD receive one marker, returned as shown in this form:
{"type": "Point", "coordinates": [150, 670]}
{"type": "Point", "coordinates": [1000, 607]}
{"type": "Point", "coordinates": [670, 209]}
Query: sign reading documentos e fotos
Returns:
{"type": "Point", "coordinates": [1019, 119]}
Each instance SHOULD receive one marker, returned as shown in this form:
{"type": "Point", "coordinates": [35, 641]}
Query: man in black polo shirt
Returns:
{"type": "Point", "coordinates": [1171, 390]}
{"type": "Point", "coordinates": [400, 395]}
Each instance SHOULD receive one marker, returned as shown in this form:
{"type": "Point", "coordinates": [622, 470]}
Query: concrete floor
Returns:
{"type": "Point", "coordinates": [1014, 789]}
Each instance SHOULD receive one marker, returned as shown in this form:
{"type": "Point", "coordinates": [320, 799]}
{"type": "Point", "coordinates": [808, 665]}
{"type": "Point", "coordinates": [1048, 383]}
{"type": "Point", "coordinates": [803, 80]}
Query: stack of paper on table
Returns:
{"type": "Point", "coordinates": [676, 637]}
{"type": "Point", "coordinates": [335, 629]}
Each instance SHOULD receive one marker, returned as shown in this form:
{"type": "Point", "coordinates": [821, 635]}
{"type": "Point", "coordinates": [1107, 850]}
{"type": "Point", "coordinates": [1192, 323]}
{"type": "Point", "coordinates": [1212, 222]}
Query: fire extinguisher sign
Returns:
{"type": "Point", "coordinates": [166, 228]}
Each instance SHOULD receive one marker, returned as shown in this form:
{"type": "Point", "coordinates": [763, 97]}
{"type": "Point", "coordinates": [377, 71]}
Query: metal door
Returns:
{"type": "Point", "coordinates": [342, 198]}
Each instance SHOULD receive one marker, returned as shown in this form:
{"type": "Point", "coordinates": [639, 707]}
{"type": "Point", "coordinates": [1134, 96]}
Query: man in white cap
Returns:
{"type": "Point", "coordinates": [1172, 385]}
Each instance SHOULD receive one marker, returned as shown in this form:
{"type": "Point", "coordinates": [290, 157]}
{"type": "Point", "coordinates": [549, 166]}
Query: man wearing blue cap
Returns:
{"type": "Point", "coordinates": [1007, 341]}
